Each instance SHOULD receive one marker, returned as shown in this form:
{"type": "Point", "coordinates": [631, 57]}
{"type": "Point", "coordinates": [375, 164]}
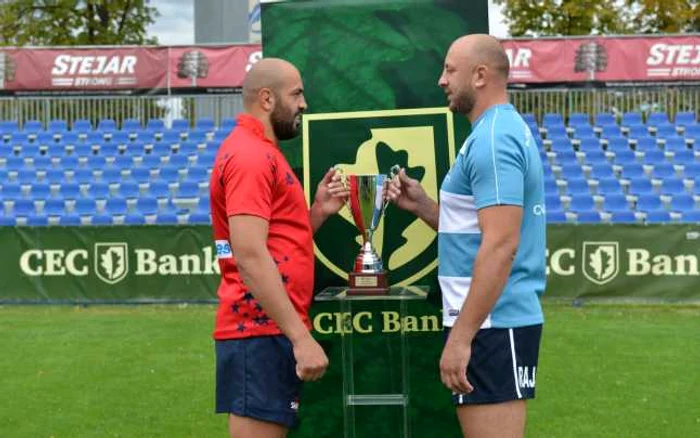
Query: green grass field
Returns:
{"type": "Point", "coordinates": [605, 371]}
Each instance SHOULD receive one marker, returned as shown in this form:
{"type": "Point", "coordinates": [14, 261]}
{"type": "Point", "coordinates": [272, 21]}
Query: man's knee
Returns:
{"type": "Point", "coordinates": [493, 420]}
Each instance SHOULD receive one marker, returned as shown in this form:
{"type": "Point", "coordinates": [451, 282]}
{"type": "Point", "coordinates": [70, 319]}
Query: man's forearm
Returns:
{"type": "Point", "coordinates": [260, 274]}
{"type": "Point", "coordinates": [491, 271]}
{"type": "Point", "coordinates": [317, 217]}
{"type": "Point", "coordinates": [429, 212]}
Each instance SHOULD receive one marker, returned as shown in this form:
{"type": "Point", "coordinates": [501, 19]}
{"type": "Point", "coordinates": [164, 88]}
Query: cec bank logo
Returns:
{"type": "Point", "coordinates": [601, 261]}
{"type": "Point", "coordinates": [419, 140]}
{"type": "Point", "coordinates": [111, 261]}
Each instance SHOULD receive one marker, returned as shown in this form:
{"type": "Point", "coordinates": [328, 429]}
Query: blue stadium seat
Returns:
{"type": "Point", "coordinates": [618, 143]}
{"type": "Point", "coordinates": [595, 158]}
{"type": "Point", "coordinates": [199, 136]}
{"type": "Point", "coordinates": [109, 149]}
{"type": "Point", "coordinates": [206, 159]}
{"type": "Point", "coordinates": [657, 118]}
{"type": "Point", "coordinates": [7, 221]}
{"type": "Point", "coordinates": [672, 186]}
{"type": "Point", "coordinates": [623, 217]}
{"type": "Point", "coordinates": [633, 170]}
{"type": "Point", "coordinates": [141, 174]}
{"type": "Point", "coordinates": [4, 175]}
{"type": "Point", "coordinates": [180, 125]}
{"type": "Point", "coordinates": [131, 125]}
{"type": "Point", "coordinates": [169, 173]}
{"type": "Point", "coordinates": [23, 207]}
{"type": "Point", "coordinates": [188, 148]}
{"type": "Point", "coordinates": [640, 186]}
{"type": "Point", "coordinates": [654, 157]}
{"type": "Point", "coordinates": [188, 189]}
{"type": "Point", "coordinates": [102, 220]}
{"type": "Point", "coordinates": [40, 191]}
{"type": "Point", "coordinates": [116, 206]}
{"type": "Point", "coordinates": [552, 119]}
{"type": "Point", "coordinates": [199, 217]}
{"type": "Point", "coordinates": [684, 157]}
{"type": "Point", "coordinates": [32, 127]}
{"type": "Point", "coordinates": [556, 217]}
{"type": "Point", "coordinates": [26, 176]}
{"type": "Point", "coordinates": [54, 207]}
{"type": "Point", "coordinates": [54, 176]}
{"type": "Point", "coordinates": [648, 202]}
{"type": "Point", "coordinates": [688, 216]}
{"type": "Point", "coordinates": [632, 118]}
{"type": "Point", "coordinates": [83, 150]}
{"type": "Point", "coordinates": [552, 202]}
{"type": "Point", "coordinates": [99, 190]}
{"type": "Point", "coordinates": [615, 202]}
{"type": "Point", "coordinates": [69, 190]}
{"type": "Point", "coordinates": [156, 125]}
{"type": "Point", "coordinates": [69, 138]}
{"type": "Point", "coordinates": [602, 171]}
{"type": "Point", "coordinates": [582, 203]}
{"type": "Point", "coordinates": [228, 124]}
{"type": "Point", "coordinates": [8, 126]}
{"type": "Point", "coordinates": [637, 131]}
{"type": "Point", "coordinates": [135, 148]}
{"type": "Point", "coordinates": [11, 190]}
{"type": "Point", "coordinates": [204, 203]}
{"type": "Point", "coordinates": [111, 175]}
{"type": "Point", "coordinates": [107, 125]}
{"type": "Point", "coordinates": [206, 123]}
{"type": "Point", "coordinates": [83, 176]}
{"type": "Point", "coordinates": [198, 173]}
{"type": "Point", "coordinates": [29, 150]}
{"type": "Point", "coordinates": [692, 131]}
{"type": "Point", "coordinates": [587, 144]}
{"type": "Point", "coordinates": [159, 189]}
{"type": "Point", "coordinates": [69, 220]}
{"type": "Point", "coordinates": [14, 163]}
{"type": "Point", "coordinates": [588, 217]}
{"type": "Point", "coordinates": [572, 171]}
{"type": "Point", "coordinates": [134, 219]}
{"type": "Point", "coordinates": [682, 203]}
{"type": "Point", "coordinates": [685, 118]}
{"type": "Point", "coordinates": [44, 138]}
{"type": "Point", "coordinates": [604, 119]}
{"type": "Point", "coordinates": [82, 126]}
{"type": "Point", "coordinates": [57, 126]}
{"type": "Point", "coordinates": [691, 170]}
{"type": "Point", "coordinates": [160, 150]}
{"type": "Point", "coordinates": [550, 185]}
{"type": "Point", "coordinates": [178, 160]}
{"type": "Point", "coordinates": [170, 138]}
{"type": "Point", "coordinates": [557, 131]}
{"type": "Point", "coordinates": [120, 138]}
{"type": "Point", "coordinates": [37, 220]}
{"type": "Point", "coordinates": [123, 162]}
{"type": "Point", "coordinates": [213, 145]}
{"type": "Point", "coordinates": [19, 138]}
{"type": "Point", "coordinates": [147, 205]}
{"type": "Point", "coordinates": [129, 189]}
{"type": "Point", "coordinates": [85, 206]}
{"type": "Point", "coordinates": [663, 170]}
{"type": "Point", "coordinates": [565, 157]}
{"type": "Point", "coordinates": [581, 131]}
{"type": "Point", "coordinates": [657, 217]}
{"type": "Point", "coordinates": [646, 144]}
{"type": "Point", "coordinates": [166, 218]}
{"type": "Point", "coordinates": [94, 138]}
{"type": "Point", "coordinates": [96, 162]}
{"type": "Point", "coordinates": [151, 161]}
{"type": "Point", "coordinates": [675, 144]}
{"type": "Point", "coordinates": [41, 162]}
{"type": "Point", "coordinates": [578, 119]}
{"type": "Point", "coordinates": [611, 132]}
{"type": "Point", "coordinates": [665, 131]}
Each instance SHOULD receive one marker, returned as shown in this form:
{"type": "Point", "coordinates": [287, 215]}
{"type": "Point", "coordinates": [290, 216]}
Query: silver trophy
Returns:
{"type": "Point", "coordinates": [367, 205]}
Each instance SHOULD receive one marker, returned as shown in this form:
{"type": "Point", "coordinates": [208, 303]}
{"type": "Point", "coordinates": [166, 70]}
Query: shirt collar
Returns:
{"type": "Point", "coordinates": [489, 110]}
{"type": "Point", "coordinates": [255, 126]}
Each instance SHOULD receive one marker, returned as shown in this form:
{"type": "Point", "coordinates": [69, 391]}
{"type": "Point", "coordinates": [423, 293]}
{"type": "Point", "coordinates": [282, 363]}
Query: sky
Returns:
{"type": "Point", "coordinates": [176, 22]}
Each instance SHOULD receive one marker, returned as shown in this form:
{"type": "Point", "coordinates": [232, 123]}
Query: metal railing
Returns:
{"type": "Point", "coordinates": [644, 99]}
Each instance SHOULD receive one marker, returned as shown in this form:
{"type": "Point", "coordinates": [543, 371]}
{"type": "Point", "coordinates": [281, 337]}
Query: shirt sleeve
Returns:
{"type": "Point", "coordinates": [496, 170]}
{"type": "Point", "coordinates": [249, 183]}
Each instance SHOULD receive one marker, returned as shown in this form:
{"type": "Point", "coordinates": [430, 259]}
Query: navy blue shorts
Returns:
{"type": "Point", "coordinates": [256, 378]}
{"type": "Point", "coordinates": [502, 366]}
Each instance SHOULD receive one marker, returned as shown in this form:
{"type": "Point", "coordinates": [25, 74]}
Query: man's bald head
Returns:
{"type": "Point", "coordinates": [482, 49]}
{"type": "Point", "coordinates": [270, 73]}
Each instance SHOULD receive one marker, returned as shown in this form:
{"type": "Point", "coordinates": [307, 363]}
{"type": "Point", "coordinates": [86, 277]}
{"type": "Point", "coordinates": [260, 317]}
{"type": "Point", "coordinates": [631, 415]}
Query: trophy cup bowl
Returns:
{"type": "Point", "coordinates": [367, 206]}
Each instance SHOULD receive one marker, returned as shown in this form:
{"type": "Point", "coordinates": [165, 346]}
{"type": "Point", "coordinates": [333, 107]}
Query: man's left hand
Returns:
{"type": "Point", "coordinates": [453, 366]}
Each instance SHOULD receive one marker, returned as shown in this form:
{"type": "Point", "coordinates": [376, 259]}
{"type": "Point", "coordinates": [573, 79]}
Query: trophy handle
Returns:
{"type": "Point", "coordinates": [394, 171]}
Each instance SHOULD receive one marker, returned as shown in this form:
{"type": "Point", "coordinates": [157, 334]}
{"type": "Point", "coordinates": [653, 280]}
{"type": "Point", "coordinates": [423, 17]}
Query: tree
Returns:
{"type": "Point", "coordinates": [586, 17]}
{"type": "Point", "coordinates": [75, 22]}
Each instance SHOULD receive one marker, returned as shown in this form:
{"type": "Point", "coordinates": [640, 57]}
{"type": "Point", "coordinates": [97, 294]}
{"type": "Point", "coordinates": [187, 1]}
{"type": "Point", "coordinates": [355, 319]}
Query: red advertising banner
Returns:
{"type": "Point", "coordinates": [614, 59]}
{"type": "Point", "coordinates": [211, 67]}
{"type": "Point", "coordinates": [127, 69]}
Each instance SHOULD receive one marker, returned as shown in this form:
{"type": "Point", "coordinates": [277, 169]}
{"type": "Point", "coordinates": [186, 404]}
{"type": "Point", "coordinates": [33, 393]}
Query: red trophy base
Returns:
{"type": "Point", "coordinates": [361, 283]}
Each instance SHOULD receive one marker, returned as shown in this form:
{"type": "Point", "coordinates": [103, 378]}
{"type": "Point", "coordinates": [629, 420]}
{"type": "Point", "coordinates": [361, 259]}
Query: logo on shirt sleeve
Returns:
{"type": "Point", "coordinates": [223, 249]}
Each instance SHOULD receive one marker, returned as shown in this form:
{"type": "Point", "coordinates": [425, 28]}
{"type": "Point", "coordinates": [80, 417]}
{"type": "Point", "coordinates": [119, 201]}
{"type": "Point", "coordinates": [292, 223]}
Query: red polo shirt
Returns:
{"type": "Point", "coordinates": [252, 177]}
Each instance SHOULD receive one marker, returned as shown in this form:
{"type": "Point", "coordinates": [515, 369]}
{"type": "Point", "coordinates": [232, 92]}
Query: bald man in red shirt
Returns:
{"type": "Point", "coordinates": [264, 239]}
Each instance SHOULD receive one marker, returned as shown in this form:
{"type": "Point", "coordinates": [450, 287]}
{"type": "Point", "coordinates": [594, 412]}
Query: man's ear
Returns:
{"type": "Point", "coordinates": [266, 99]}
{"type": "Point", "coordinates": [480, 73]}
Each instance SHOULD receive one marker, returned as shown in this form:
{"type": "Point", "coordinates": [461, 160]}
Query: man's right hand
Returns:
{"type": "Point", "coordinates": [406, 192]}
{"type": "Point", "coordinates": [311, 359]}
